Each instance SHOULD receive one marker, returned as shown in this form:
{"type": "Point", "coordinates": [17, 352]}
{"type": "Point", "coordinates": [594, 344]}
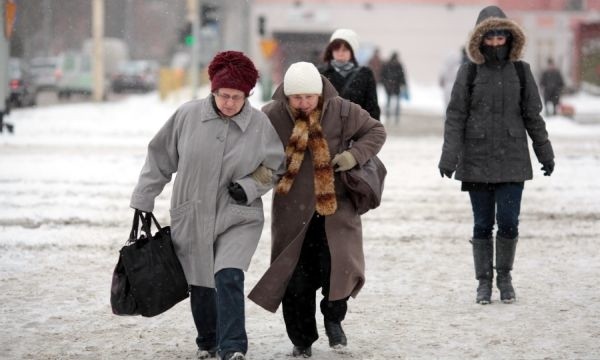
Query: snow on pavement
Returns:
{"type": "Point", "coordinates": [65, 181]}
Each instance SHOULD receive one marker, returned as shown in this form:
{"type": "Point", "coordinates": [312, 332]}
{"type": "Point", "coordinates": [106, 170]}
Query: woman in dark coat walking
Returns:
{"type": "Point", "coordinates": [394, 83]}
{"type": "Point", "coordinates": [353, 82]}
{"type": "Point", "coordinates": [316, 230]}
{"type": "Point", "coordinates": [490, 114]}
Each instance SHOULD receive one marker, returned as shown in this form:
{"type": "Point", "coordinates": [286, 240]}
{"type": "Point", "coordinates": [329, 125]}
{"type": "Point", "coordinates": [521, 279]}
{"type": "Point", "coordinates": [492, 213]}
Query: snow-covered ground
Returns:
{"type": "Point", "coordinates": [65, 180]}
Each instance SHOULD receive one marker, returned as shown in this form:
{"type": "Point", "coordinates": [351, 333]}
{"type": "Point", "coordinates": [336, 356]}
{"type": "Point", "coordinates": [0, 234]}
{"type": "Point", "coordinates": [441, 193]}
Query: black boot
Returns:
{"type": "Point", "coordinates": [505, 257]}
{"type": "Point", "coordinates": [336, 335]}
{"type": "Point", "coordinates": [483, 254]}
{"type": "Point", "coordinates": [302, 351]}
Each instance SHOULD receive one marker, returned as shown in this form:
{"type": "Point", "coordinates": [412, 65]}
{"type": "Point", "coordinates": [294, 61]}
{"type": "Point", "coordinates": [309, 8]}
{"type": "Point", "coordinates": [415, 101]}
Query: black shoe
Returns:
{"type": "Point", "coordinates": [206, 354]}
{"type": "Point", "coordinates": [234, 356]}
{"type": "Point", "coordinates": [301, 351]}
{"type": "Point", "coordinates": [336, 335]}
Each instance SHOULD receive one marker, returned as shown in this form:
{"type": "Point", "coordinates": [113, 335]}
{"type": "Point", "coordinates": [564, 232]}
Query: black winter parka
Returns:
{"type": "Point", "coordinates": [362, 90]}
{"type": "Point", "coordinates": [487, 123]}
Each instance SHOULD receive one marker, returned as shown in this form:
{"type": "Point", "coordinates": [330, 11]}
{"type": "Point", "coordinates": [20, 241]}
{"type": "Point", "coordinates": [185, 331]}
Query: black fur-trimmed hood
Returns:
{"type": "Point", "coordinates": [493, 18]}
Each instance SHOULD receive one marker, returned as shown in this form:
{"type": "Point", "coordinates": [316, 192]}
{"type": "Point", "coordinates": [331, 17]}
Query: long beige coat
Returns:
{"type": "Point", "coordinates": [210, 230]}
{"type": "Point", "coordinates": [291, 213]}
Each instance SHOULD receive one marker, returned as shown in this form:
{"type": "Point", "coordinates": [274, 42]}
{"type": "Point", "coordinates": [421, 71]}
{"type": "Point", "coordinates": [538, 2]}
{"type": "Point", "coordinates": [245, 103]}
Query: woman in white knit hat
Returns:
{"type": "Point", "coordinates": [353, 82]}
{"type": "Point", "coordinates": [316, 230]}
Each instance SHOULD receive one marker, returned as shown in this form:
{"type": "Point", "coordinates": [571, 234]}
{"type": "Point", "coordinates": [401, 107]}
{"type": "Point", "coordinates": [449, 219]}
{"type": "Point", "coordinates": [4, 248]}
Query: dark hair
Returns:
{"type": "Point", "coordinates": [334, 45]}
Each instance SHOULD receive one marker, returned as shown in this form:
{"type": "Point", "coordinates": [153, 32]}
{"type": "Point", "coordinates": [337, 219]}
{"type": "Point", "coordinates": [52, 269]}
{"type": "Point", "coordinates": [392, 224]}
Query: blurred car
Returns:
{"type": "Point", "coordinates": [136, 75]}
{"type": "Point", "coordinates": [74, 70]}
{"type": "Point", "coordinates": [44, 71]}
{"type": "Point", "coordinates": [22, 90]}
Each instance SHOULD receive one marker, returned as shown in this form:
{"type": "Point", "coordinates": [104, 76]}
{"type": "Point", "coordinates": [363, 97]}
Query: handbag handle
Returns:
{"type": "Point", "coordinates": [146, 219]}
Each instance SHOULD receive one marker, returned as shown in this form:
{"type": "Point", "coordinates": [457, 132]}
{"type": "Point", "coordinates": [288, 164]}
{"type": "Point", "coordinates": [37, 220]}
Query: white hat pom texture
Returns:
{"type": "Point", "coordinates": [302, 78]}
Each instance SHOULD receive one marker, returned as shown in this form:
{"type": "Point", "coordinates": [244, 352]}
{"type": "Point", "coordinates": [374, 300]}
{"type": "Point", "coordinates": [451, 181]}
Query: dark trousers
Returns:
{"type": "Point", "coordinates": [312, 272]}
{"type": "Point", "coordinates": [502, 203]}
{"type": "Point", "coordinates": [219, 313]}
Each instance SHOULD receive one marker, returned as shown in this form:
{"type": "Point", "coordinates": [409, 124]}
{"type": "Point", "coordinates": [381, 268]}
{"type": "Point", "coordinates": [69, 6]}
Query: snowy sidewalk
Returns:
{"type": "Point", "coordinates": [65, 181]}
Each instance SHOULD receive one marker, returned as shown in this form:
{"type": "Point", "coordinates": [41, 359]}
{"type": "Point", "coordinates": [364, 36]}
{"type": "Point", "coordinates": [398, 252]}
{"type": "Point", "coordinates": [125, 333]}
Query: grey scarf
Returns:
{"type": "Point", "coordinates": [343, 68]}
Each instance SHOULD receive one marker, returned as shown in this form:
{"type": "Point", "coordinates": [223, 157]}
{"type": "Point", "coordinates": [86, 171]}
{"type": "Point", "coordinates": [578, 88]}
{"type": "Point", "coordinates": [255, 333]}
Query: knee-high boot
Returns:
{"type": "Point", "coordinates": [483, 255]}
{"type": "Point", "coordinates": [505, 257]}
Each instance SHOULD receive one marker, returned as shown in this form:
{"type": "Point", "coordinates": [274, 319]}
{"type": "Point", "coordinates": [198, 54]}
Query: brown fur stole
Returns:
{"type": "Point", "coordinates": [307, 133]}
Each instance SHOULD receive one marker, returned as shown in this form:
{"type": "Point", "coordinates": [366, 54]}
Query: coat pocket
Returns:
{"type": "Point", "coordinates": [474, 148]}
{"type": "Point", "coordinates": [183, 227]}
{"type": "Point", "coordinates": [516, 148]}
{"type": "Point", "coordinates": [236, 215]}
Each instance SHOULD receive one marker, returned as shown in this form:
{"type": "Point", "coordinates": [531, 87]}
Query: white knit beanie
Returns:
{"type": "Point", "coordinates": [349, 36]}
{"type": "Point", "coordinates": [302, 78]}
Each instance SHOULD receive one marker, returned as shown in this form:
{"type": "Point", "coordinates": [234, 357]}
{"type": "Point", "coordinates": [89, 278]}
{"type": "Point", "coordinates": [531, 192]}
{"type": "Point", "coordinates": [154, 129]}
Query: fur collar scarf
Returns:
{"type": "Point", "coordinates": [307, 134]}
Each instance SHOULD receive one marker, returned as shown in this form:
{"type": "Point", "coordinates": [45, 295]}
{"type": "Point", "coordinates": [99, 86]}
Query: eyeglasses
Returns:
{"type": "Point", "coordinates": [225, 97]}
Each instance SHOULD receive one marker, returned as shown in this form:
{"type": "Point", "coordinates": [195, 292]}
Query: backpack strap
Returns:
{"type": "Point", "coordinates": [344, 113]}
{"type": "Point", "coordinates": [471, 73]}
{"type": "Point", "coordinates": [519, 67]}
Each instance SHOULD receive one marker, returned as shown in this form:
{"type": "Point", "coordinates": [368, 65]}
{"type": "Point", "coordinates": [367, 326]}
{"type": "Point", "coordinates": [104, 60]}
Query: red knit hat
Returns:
{"type": "Point", "coordinates": [234, 70]}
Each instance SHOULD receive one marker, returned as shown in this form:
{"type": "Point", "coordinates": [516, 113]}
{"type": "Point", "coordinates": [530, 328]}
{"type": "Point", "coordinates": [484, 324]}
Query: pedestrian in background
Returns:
{"type": "Point", "coordinates": [394, 83]}
{"type": "Point", "coordinates": [485, 141]}
{"type": "Point", "coordinates": [224, 152]}
{"type": "Point", "coordinates": [375, 64]}
{"type": "Point", "coordinates": [448, 72]}
{"type": "Point", "coordinates": [552, 85]}
{"type": "Point", "coordinates": [316, 230]}
{"type": "Point", "coordinates": [353, 82]}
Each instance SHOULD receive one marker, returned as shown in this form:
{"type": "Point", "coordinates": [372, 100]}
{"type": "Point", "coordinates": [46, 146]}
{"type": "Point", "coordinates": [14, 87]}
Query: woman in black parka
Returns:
{"type": "Point", "coordinates": [485, 141]}
{"type": "Point", "coordinates": [353, 82]}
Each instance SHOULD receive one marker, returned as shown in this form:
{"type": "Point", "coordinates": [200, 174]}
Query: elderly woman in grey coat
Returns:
{"type": "Point", "coordinates": [494, 105]}
{"type": "Point", "coordinates": [316, 230]}
{"type": "Point", "coordinates": [224, 152]}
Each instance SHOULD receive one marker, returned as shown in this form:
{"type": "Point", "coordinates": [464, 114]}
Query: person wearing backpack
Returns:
{"type": "Point", "coordinates": [353, 82]}
{"type": "Point", "coordinates": [494, 105]}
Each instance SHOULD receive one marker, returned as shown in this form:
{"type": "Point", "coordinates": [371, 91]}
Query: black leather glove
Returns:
{"type": "Point", "coordinates": [446, 172]}
{"type": "Point", "coordinates": [237, 193]}
{"type": "Point", "coordinates": [548, 167]}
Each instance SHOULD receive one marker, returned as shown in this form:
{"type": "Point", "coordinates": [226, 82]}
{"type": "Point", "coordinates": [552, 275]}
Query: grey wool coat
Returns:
{"type": "Point", "coordinates": [487, 123]}
{"type": "Point", "coordinates": [210, 230]}
{"type": "Point", "coordinates": [291, 213]}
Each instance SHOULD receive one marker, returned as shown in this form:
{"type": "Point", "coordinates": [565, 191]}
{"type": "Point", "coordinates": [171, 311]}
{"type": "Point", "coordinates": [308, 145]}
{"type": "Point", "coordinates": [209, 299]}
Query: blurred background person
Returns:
{"type": "Point", "coordinates": [394, 83]}
{"type": "Point", "coordinates": [353, 82]}
{"type": "Point", "coordinates": [375, 64]}
{"type": "Point", "coordinates": [552, 85]}
{"type": "Point", "coordinates": [448, 72]}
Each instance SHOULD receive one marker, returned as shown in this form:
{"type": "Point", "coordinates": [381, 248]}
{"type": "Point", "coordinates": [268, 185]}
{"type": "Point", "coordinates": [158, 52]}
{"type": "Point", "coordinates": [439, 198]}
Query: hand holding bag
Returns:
{"type": "Point", "coordinates": [363, 183]}
{"type": "Point", "coordinates": [148, 278]}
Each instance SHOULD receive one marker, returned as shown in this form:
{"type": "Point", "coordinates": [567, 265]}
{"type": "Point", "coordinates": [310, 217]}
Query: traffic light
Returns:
{"type": "Point", "coordinates": [185, 35]}
{"type": "Point", "coordinates": [261, 25]}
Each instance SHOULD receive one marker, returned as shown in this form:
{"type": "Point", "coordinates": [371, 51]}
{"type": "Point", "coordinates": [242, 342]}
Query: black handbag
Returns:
{"type": "Point", "coordinates": [148, 278]}
{"type": "Point", "coordinates": [363, 183]}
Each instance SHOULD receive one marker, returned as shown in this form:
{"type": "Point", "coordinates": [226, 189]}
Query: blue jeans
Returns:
{"type": "Point", "coordinates": [219, 313]}
{"type": "Point", "coordinates": [501, 204]}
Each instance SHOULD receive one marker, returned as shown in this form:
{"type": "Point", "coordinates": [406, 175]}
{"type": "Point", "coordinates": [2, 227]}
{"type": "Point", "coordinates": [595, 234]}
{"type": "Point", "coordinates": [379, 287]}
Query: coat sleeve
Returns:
{"type": "Point", "coordinates": [367, 133]}
{"type": "Point", "coordinates": [273, 158]}
{"type": "Point", "coordinates": [456, 118]}
{"type": "Point", "coordinates": [161, 163]}
{"type": "Point", "coordinates": [371, 102]}
{"type": "Point", "coordinates": [534, 123]}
